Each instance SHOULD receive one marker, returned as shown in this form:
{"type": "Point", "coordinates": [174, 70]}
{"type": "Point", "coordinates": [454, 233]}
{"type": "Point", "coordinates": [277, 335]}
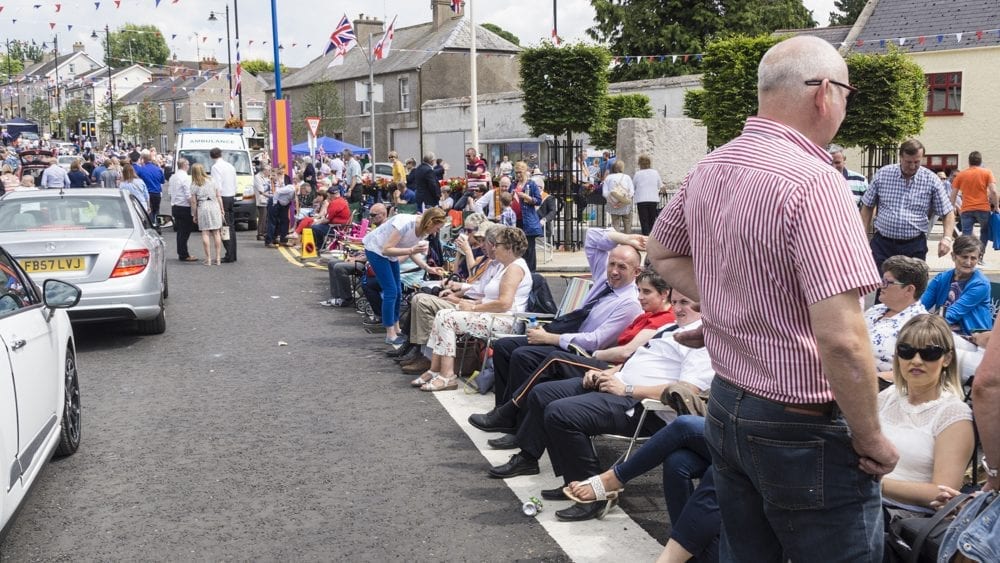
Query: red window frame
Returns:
{"type": "Point", "coordinates": [950, 83]}
{"type": "Point", "coordinates": [941, 162]}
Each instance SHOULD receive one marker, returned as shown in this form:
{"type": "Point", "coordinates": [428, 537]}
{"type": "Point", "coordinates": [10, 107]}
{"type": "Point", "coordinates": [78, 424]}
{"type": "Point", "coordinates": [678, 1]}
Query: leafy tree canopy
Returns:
{"type": "Point", "coordinates": [847, 11]}
{"type": "Point", "coordinates": [40, 112]}
{"type": "Point", "coordinates": [502, 32]}
{"type": "Point", "coordinates": [23, 50]}
{"type": "Point", "coordinates": [319, 100]}
{"type": "Point", "coordinates": [666, 27]}
{"type": "Point", "coordinates": [564, 87]}
{"type": "Point", "coordinates": [143, 44]}
{"type": "Point", "coordinates": [604, 134]}
{"type": "Point", "coordinates": [257, 66]}
{"type": "Point", "coordinates": [75, 111]}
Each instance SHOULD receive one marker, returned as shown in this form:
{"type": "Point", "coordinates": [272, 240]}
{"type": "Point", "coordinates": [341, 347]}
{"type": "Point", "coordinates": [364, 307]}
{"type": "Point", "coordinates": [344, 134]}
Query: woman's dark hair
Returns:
{"type": "Point", "coordinates": [650, 276]}
{"type": "Point", "coordinates": [514, 239]}
{"type": "Point", "coordinates": [966, 244]}
{"type": "Point", "coordinates": [909, 271]}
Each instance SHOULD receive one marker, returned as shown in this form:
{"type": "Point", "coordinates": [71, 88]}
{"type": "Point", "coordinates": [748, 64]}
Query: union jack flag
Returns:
{"type": "Point", "coordinates": [456, 5]}
{"type": "Point", "coordinates": [342, 38]}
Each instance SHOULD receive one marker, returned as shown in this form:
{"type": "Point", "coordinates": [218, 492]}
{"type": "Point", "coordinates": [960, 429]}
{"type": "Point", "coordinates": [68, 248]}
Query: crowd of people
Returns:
{"type": "Point", "coordinates": [792, 417]}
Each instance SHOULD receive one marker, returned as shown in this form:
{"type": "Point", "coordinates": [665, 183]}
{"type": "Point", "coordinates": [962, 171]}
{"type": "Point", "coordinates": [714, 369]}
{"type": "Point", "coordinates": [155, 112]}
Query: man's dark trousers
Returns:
{"type": "Point", "coordinates": [183, 225]}
{"type": "Point", "coordinates": [514, 357]}
{"type": "Point", "coordinates": [230, 245]}
{"type": "Point", "coordinates": [154, 206]}
{"type": "Point", "coordinates": [561, 416]}
{"type": "Point", "coordinates": [883, 248]}
{"type": "Point", "coordinates": [557, 365]}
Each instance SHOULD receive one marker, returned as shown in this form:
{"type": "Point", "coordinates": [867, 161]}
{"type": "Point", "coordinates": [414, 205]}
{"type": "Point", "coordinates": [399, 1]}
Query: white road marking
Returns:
{"type": "Point", "coordinates": [617, 537]}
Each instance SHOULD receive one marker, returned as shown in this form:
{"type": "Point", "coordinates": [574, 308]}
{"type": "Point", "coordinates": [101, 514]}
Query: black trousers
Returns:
{"type": "Point", "coordinates": [558, 365]}
{"type": "Point", "coordinates": [884, 248]}
{"type": "Point", "coordinates": [515, 360]}
{"type": "Point", "coordinates": [154, 207]}
{"type": "Point", "coordinates": [230, 245]}
{"type": "Point", "coordinates": [648, 211]}
{"type": "Point", "coordinates": [561, 416]}
{"type": "Point", "coordinates": [184, 226]}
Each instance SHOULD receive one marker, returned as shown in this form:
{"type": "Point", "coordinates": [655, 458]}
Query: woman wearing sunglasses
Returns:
{"type": "Point", "coordinates": [962, 294]}
{"type": "Point", "coordinates": [924, 416]}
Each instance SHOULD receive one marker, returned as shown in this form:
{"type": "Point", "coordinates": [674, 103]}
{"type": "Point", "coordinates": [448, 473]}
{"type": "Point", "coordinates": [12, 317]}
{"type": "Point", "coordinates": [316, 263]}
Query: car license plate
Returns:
{"type": "Point", "coordinates": [63, 264]}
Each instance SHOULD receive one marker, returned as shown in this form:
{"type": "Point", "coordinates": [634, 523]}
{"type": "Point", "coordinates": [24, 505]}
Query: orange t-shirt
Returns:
{"type": "Point", "coordinates": [972, 182]}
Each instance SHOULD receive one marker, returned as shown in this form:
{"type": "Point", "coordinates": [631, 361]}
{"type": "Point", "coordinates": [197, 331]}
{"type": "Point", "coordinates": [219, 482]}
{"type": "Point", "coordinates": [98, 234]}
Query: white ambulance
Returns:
{"type": "Point", "coordinates": [194, 145]}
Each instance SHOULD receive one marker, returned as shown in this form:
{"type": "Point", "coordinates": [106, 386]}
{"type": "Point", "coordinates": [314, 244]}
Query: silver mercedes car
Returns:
{"type": "Point", "coordinates": [96, 238]}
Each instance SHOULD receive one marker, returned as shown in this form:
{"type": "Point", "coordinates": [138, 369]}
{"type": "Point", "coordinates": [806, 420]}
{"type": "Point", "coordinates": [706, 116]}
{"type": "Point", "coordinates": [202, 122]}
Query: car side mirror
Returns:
{"type": "Point", "coordinates": [58, 294]}
{"type": "Point", "coordinates": [164, 221]}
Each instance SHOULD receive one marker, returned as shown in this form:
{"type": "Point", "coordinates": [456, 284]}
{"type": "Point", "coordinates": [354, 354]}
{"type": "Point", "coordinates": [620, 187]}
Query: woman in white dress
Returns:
{"type": "Point", "coordinates": [206, 210]}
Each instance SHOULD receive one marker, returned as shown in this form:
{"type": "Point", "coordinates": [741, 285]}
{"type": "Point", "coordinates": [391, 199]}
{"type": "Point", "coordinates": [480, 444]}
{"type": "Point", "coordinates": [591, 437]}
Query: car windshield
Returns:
{"type": "Point", "coordinates": [239, 159]}
{"type": "Point", "coordinates": [63, 213]}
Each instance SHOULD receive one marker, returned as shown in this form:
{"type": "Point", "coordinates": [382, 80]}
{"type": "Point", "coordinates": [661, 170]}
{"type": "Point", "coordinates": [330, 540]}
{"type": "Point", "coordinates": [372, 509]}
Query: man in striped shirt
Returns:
{"type": "Point", "coordinates": [765, 233]}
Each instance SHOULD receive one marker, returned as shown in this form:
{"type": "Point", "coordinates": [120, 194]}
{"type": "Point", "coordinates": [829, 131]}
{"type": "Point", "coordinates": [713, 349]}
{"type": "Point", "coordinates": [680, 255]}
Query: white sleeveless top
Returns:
{"type": "Point", "coordinates": [492, 289]}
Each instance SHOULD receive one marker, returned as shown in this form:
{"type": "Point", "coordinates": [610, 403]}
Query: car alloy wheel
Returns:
{"type": "Point", "coordinates": [72, 421]}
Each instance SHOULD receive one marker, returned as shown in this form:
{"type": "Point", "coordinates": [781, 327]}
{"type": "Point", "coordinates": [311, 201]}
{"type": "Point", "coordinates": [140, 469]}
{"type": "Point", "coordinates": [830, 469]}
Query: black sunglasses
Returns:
{"type": "Point", "coordinates": [930, 353]}
{"type": "Point", "coordinates": [851, 90]}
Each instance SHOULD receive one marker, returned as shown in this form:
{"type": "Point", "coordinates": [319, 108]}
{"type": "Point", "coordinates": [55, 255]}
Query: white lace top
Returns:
{"type": "Point", "coordinates": [913, 428]}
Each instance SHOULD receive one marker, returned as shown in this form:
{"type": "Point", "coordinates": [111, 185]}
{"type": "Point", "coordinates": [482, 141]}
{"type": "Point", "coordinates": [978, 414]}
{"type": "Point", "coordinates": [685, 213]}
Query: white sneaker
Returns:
{"type": "Point", "coordinates": [332, 302]}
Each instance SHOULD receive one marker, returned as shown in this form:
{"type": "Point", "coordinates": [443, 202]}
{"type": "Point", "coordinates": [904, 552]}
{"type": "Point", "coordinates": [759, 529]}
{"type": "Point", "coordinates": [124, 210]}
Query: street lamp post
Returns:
{"type": "Point", "coordinates": [229, 53]}
{"type": "Point", "coordinates": [111, 100]}
{"type": "Point", "coordinates": [58, 97]}
{"type": "Point", "coordinates": [10, 95]}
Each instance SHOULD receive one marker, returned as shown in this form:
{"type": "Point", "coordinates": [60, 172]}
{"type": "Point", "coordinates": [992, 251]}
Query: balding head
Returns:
{"type": "Point", "coordinates": [624, 265]}
{"type": "Point", "coordinates": [377, 214]}
{"type": "Point", "coordinates": [817, 110]}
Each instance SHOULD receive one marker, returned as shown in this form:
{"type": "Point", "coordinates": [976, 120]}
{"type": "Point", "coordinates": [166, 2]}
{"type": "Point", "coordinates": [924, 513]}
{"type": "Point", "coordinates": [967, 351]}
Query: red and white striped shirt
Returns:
{"type": "Point", "coordinates": [771, 228]}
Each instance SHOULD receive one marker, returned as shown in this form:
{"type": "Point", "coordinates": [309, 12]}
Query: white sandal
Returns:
{"type": "Point", "coordinates": [599, 493]}
{"type": "Point", "coordinates": [441, 383]}
{"type": "Point", "coordinates": [424, 378]}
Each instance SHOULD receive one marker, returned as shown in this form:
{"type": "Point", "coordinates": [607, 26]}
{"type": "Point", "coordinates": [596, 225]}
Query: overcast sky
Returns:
{"type": "Point", "coordinates": [303, 32]}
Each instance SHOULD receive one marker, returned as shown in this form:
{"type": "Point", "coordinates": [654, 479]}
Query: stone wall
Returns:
{"type": "Point", "coordinates": [674, 144]}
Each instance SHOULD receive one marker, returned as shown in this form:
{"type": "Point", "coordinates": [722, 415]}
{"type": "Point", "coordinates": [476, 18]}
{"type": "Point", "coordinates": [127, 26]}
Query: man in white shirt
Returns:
{"type": "Point", "coordinates": [54, 176]}
{"type": "Point", "coordinates": [561, 416]}
{"type": "Point", "coordinates": [179, 188]}
{"type": "Point", "coordinates": [224, 175]}
{"type": "Point", "coordinates": [337, 166]}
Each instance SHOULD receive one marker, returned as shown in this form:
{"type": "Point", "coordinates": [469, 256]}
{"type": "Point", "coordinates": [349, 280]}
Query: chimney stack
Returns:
{"type": "Point", "coordinates": [364, 26]}
{"type": "Point", "coordinates": [78, 47]}
{"type": "Point", "coordinates": [443, 14]}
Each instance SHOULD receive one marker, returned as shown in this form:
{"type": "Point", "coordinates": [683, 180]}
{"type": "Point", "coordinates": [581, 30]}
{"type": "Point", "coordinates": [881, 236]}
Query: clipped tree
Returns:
{"type": "Point", "coordinates": [131, 43]}
{"type": "Point", "coordinates": [564, 88]}
{"type": "Point", "coordinates": [502, 32]}
{"type": "Point", "coordinates": [147, 121]}
{"type": "Point", "coordinates": [604, 133]}
{"type": "Point", "coordinates": [319, 100]}
{"type": "Point", "coordinates": [104, 112]}
{"type": "Point", "coordinates": [730, 82]}
{"type": "Point", "coordinates": [40, 112]}
{"type": "Point", "coordinates": [694, 103]}
{"type": "Point", "coordinates": [889, 105]}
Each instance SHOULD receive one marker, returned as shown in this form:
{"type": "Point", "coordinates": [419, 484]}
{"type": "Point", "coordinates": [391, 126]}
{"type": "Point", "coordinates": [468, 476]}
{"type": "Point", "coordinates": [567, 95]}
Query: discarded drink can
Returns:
{"type": "Point", "coordinates": [532, 507]}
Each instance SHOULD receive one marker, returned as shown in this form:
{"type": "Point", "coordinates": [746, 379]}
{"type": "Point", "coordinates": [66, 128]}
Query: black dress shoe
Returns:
{"type": "Point", "coordinates": [519, 464]}
{"type": "Point", "coordinates": [505, 442]}
{"type": "Point", "coordinates": [409, 356]}
{"type": "Point", "coordinates": [227, 260]}
{"type": "Point", "coordinates": [501, 419]}
{"type": "Point", "coordinates": [554, 494]}
{"type": "Point", "coordinates": [401, 351]}
{"type": "Point", "coordinates": [580, 512]}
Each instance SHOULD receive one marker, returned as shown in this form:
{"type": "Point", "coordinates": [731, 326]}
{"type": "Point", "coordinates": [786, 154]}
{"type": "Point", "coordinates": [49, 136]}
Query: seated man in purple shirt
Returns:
{"type": "Point", "coordinates": [610, 306]}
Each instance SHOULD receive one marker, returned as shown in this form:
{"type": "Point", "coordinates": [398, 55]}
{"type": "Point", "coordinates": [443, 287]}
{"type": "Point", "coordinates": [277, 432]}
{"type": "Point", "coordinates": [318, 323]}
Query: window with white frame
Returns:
{"type": "Point", "coordinates": [364, 107]}
{"type": "Point", "coordinates": [214, 110]}
{"type": "Point", "coordinates": [404, 93]}
{"type": "Point", "coordinates": [366, 138]}
{"type": "Point", "coordinates": [255, 111]}
{"type": "Point", "coordinates": [178, 106]}
{"type": "Point", "coordinates": [163, 113]}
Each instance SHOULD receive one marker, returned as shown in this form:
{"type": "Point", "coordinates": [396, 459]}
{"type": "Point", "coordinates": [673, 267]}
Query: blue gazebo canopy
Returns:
{"type": "Point", "coordinates": [329, 145]}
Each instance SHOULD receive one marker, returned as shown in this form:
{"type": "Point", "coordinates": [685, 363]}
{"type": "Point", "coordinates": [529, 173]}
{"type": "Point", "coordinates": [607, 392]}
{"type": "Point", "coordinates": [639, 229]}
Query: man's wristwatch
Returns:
{"type": "Point", "coordinates": [990, 472]}
{"type": "Point", "coordinates": [630, 388]}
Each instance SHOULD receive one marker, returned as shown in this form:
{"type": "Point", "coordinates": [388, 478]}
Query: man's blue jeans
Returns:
{"type": "Point", "coordinates": [788, 484]}
{"type": "Point", "coordinates": [970, 218]}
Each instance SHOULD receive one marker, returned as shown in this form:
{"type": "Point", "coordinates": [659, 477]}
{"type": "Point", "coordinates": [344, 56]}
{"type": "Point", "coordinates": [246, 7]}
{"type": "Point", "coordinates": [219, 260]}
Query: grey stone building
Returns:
{"type": "Point", "coordinates": [427, 61]}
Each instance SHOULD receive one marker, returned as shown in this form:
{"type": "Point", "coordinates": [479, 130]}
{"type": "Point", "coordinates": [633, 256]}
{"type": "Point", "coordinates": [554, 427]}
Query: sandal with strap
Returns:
{"type": "Point", "coordinates": [441, 383]}
{"type": "Point", "coordinates": [599, 493]}
{"type": "Point", "coordinates": [424, 378]}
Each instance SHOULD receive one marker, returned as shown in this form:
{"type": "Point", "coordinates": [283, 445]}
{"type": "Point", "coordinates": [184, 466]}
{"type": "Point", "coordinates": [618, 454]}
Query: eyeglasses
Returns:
{"type": "Point", "coordinates": [851, 90]}
{"type": "Point", "coordinates": [471, 231]}
{"type": "Point", "coordinates": [886, 283]}
{"type": "Point", "coordinates": [930, 353]}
